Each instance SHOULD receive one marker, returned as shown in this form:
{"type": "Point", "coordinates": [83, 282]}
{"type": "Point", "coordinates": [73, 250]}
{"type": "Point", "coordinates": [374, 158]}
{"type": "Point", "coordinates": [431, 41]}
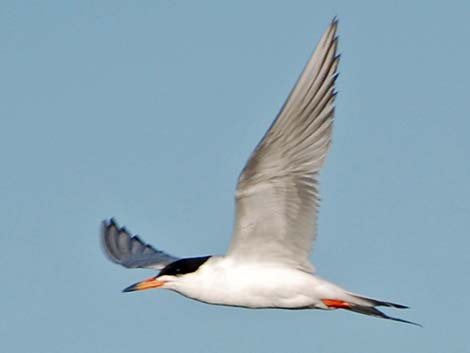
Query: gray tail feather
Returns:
{"type": "Point", "coordinates": [376, 302]}
{"type": "Point", "coordinates": [372, 311]}
{"type": "Point", "coordinates": [369, 310]}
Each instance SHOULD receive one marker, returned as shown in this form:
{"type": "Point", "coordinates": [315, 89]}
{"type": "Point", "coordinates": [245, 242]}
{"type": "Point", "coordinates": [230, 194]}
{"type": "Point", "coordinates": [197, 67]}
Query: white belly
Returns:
{"type": "Point", "coordinates": [222, 282]}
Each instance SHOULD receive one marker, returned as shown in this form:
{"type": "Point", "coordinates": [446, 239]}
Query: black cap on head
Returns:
{"type": "Point", "coordinates": [183, 266]}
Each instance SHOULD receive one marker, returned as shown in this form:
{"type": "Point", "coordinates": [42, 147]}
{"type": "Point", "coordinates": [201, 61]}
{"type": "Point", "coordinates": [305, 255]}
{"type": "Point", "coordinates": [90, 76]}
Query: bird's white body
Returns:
{"type": "Point", "coordinates": [224, 281]}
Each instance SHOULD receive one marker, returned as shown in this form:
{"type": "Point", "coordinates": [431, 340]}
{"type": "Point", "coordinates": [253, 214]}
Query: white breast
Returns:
{"type": "Point", "coordinates": [254, 285]}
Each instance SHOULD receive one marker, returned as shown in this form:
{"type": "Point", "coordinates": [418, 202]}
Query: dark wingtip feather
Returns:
{"type": "Point", "coordinates": [110, 223]}
{"type": "Point", "coordinates": [335, 21]}
{"type": "Point", "coordinates": [334, 26]}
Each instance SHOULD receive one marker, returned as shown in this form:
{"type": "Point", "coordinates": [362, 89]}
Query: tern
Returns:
{"type": "Point", "coordinates": [267, 264]}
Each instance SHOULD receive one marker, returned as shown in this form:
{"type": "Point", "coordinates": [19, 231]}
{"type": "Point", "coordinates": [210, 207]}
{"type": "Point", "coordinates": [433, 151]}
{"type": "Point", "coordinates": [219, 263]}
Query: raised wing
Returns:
{"type": "Point", "coordinates": [277, 192]}
{"type": "Point", "coordinates": [129, 251]}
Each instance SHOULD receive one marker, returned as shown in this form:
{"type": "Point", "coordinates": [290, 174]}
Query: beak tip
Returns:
{"type": "Point", "coordinates": [131, 288]}
{"type": "Point", "coordinates": [147, 284]}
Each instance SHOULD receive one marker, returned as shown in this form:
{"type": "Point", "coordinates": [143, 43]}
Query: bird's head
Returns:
{"type": "Point", "coordinates": [171, 273]}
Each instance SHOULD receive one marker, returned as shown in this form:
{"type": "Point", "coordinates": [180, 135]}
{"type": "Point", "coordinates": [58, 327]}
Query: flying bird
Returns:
{"type": "Point", "coordinates": [267, 264]}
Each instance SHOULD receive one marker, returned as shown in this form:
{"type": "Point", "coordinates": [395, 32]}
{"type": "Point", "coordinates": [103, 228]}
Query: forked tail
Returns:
{"type": "Point", "coordinates": [367, 306]}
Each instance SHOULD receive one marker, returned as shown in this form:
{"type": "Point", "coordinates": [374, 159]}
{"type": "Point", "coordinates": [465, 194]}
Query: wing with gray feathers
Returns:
{"type": "Point", "coordinates": [129, 251]}
{"type": "Point", "coordinates": [277, 192]}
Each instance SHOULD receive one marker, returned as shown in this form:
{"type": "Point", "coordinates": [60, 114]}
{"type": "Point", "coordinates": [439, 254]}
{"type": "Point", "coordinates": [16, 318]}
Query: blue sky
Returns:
{"type": "Point", "coordinates": [147, 111]}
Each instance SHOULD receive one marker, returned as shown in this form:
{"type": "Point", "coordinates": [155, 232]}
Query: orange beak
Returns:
{"type": "Point", "coordinates": [146, 284]}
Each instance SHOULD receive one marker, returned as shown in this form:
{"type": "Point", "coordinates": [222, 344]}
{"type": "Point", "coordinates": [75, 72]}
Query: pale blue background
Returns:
{"type": "Point", "coordinates": [147, 111]}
